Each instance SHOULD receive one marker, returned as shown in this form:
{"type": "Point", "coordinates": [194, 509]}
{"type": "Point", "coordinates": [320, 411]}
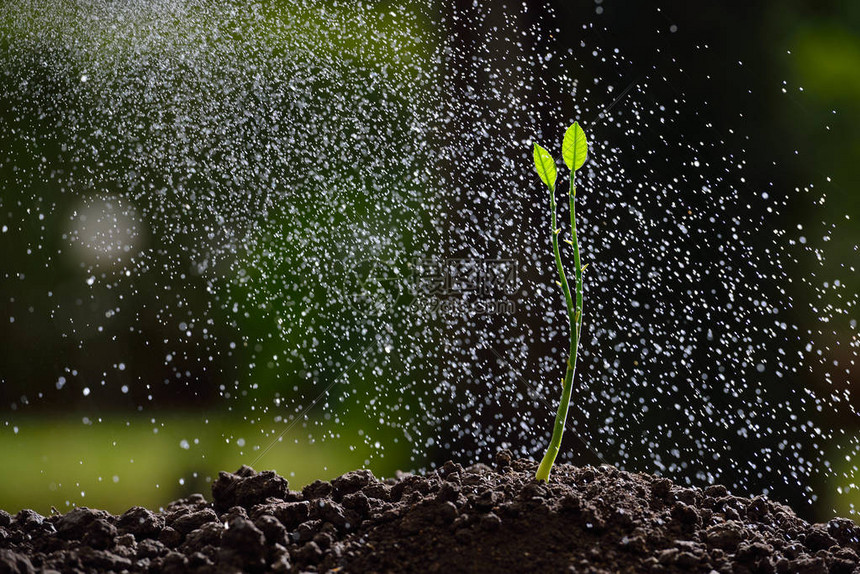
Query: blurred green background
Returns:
{"type": "Point", "coordinates": [131, 439]}
{"type": "Point", "coordinates": [158, 163]}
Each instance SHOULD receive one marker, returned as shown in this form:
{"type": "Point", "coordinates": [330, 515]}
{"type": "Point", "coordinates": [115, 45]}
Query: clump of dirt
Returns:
{"type": "Point", "coordinates": [455, 519]}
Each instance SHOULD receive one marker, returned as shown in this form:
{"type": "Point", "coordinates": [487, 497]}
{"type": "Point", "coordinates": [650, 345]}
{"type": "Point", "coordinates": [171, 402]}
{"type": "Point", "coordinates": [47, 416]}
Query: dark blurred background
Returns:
{"type": "Point", "coordinates": [155, 402]}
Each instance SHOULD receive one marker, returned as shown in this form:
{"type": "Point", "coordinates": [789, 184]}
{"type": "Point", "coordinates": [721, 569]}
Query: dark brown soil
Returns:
{"type": "Point", "coordinates": [474, 519]}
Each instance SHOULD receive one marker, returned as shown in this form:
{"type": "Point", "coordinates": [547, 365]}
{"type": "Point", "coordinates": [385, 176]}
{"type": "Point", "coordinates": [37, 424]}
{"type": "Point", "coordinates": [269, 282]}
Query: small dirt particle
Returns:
{"type": "Point", "coordinates": [817, 538]}
{"type": "Point", "coordinates": [357, 502]}
{"type": "Point", "coordinates": [28, 520]}
{"type": "Point", "coordinates": [15, 563]}
{"type": "Point", "coordinates": [716, 491]}
{"type": "Point", "coordinates": [208, 534]}
{"type": "Point", "coordinates": [100, 534]}
{"type": "Point", "coordinates": [317, 489]}
{"type": "Point", "coordinates": [808, 565]}
{"type": "Point", "coordinates": [140, 522]}
{"type": "Point", "coordinates": [192, 521]}
{"type": "Point", "coordinates": [450, 470]}
{"type": "Point", "coordinates": [503, 459]}
{"type": "Point", "coordinates": [351, 482]}
{"type": "Point", "coordinates": [685, 514]}
{"type": "Point", "coordinates": [331, 511]}
{"type": "Point", "coordinates": [243, 545]}
{"type": "Point", "coordinates": [661, 488]}
{"type": "Point", "coordinates": [290, 514]}
{"type": "Point", "coordinates": [151, 549]}
{"type": "Point", "coordinates": [307, 530]}
{"type": "Point", "coordinates": [272, 529]}
{"type": "Point", "coordinates": [448, 492]}
{"type": "Point", "coordinates": [103, 561]}
{"type": "Point", "coordinates": [757, 509]}
{"type": "Point", "coordinates": [310, 553]}
{"type": "Point", "coordinates": [726, 536]}
{"type": "Point", "coordinates": [170, 537]}
{"type": "Point", "coordinates": [174, 563]}
{"type": "Point", "coordinates": [377, 491]}
{"type": "Point", "coordinates": [246, 488]}
{"type": "Point", "coordinates": [485, 501]}
{"type": "Point", "coordinates": [73, 525]}
{"type": "Point", "coordinates": [280, 560]}
{"type": "Point", "coordinates": [532, 491]}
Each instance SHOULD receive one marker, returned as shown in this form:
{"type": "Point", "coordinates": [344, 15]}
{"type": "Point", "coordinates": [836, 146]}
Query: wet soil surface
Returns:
{"type": "Point", "coordinates": [455, 519]}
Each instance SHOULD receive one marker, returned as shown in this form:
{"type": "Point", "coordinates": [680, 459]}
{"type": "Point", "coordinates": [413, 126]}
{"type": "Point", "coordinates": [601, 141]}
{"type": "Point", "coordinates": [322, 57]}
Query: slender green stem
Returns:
{"type": "Point", "coordinates": [575, 319]}
{"type": "Point", "coordinates": [577, 266]}
{"type": "Point", "coordinates": [565, 286]}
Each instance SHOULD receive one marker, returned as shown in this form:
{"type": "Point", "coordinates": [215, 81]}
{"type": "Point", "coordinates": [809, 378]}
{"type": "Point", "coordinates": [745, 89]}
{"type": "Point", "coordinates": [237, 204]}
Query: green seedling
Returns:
{"type": "Point", "coordinates": [574, 150]}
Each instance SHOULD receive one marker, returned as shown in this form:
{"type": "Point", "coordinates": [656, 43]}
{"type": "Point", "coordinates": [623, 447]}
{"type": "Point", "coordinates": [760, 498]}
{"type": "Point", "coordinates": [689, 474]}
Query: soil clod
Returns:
{"type": "Point", "coordinates": [456, 519]}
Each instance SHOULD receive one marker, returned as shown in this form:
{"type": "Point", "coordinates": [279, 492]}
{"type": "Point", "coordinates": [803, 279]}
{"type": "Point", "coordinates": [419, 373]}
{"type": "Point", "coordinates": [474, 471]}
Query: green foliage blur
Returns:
{"type": "Point", "coordinates": [95, 360]}
{"type": "Point", "coordinates": [824, 41]}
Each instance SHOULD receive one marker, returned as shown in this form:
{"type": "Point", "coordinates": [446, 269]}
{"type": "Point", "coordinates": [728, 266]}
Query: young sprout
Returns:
{"type": "Point", "coordinates": [574, 150]}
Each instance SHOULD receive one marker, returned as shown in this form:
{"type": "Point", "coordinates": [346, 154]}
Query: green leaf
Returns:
{"type": "Point", "coordinates": [545, 166]}
{"type": "Point", "coordinates": [574, 148]}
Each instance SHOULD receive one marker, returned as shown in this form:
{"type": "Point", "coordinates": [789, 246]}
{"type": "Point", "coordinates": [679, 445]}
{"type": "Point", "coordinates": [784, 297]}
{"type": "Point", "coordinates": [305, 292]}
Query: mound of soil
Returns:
{"type": "Point", "coordinates": [455, 519]}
